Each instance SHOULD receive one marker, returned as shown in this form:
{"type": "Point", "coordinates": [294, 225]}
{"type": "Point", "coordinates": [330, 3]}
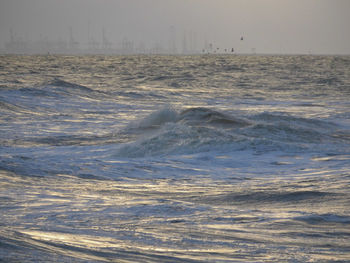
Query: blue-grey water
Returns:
{"type": "Point", "coordinates": [175, 158]}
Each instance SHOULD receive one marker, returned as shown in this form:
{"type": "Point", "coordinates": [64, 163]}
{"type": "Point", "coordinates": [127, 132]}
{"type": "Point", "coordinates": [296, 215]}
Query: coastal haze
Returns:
{"type": "Point", "coordinates": [161, 158]}
{"type": "Point", "coordinates": [175, 27]}
{"type": "Point", "coordinates": [130, 131]}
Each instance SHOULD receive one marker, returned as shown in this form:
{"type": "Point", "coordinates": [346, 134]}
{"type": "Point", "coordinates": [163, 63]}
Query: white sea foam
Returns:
{"type": "Point", "coordinates": [174, 159]}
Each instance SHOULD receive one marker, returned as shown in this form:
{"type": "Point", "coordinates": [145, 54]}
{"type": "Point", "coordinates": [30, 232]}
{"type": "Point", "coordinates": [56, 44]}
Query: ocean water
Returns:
{"type": "Point", "coordinates": [175, 158]}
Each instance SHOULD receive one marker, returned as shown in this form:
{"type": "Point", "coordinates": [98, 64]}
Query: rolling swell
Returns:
{"type": "Point", "coordinates": [53, 97]}
{"type": "Point", "coordinates": [61, 83]}
{"type": "Point", "coordinates": [10, 107]}
{"type": "Point", "coordinates": [59, 88]}
{"type": "Point", "coordinates": [268, 197]}
{"type": "Point", "coordinates": [67, 140]}
{"type": "Point", "coordinates": [68, 88]}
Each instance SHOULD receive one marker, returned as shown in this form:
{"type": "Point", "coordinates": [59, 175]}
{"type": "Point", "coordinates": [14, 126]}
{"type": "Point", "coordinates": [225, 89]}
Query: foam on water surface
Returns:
{"type": "Point", "coordinates": [174, 159]}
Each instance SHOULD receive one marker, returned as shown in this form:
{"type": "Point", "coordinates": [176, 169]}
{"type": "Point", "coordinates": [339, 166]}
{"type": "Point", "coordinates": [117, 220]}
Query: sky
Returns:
{"type": "Point", "coordinates": [267, 26]}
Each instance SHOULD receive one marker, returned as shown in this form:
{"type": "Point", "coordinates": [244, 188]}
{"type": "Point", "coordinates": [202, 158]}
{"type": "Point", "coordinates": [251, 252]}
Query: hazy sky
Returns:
{"type": "Point", "coordinates": [269, 26]}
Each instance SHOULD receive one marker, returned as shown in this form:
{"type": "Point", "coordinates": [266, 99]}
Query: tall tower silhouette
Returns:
{"type": "Point", "coordinates": [106, 44]}
{"type": "Point", "coordinates": [73, 44]}
{"type": "Point", "coordinates": [172, 40]}
{"type": "Point", "coordinates": [184, 44]}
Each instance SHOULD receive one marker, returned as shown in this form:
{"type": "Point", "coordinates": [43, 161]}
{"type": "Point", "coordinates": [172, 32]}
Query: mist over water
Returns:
{"type": "Point", "coordinates": [174, 158]}
{"type": "Point", "coordinates": [174, 27]}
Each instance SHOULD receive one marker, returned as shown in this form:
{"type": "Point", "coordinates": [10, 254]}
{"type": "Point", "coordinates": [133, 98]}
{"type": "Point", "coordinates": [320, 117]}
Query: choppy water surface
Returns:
{"type": "Point", "coordinates": [174, 159]}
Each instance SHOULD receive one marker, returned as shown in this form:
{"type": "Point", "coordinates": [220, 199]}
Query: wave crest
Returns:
{"type": "Point", "coordinates": [200, 129]}
{"type": "Point", "coordinates": [198, 116]}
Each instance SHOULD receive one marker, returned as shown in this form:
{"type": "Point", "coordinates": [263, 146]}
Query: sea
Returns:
{"type": "Point", "coordinates": [160, 158]}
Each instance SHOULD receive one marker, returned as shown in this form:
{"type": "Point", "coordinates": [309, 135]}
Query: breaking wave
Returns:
{"type": "Point", "coordinates": [194, 130]}
{"type": "Point", "coordinates": [198, 116]}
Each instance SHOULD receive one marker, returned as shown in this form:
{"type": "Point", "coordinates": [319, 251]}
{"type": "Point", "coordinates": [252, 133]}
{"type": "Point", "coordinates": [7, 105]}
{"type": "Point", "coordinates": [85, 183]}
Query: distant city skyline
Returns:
{"type": "Point", "coordinates": [95, 44]}
{"type": "Point", "coordinates": [175, 26]}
